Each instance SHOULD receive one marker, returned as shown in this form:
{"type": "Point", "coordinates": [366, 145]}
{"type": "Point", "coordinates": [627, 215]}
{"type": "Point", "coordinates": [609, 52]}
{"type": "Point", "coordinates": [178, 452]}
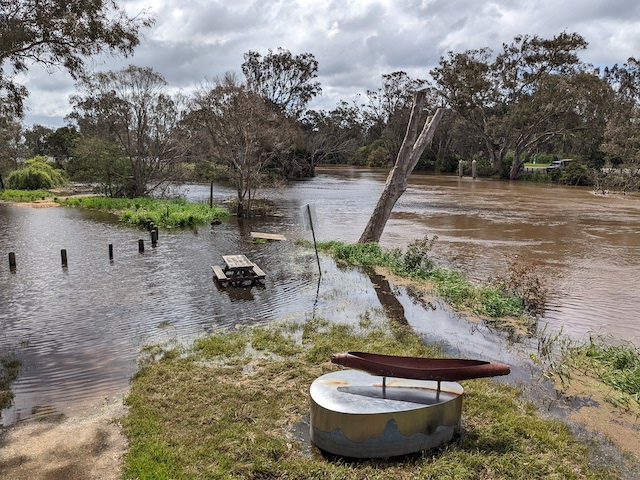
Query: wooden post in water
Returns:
{"type": "Point", "coordinates": [12, 261]}
{"type": "Point", "coordinates": [154, 238]}
{"type": "Point", "coordinates": [63, 254]}
{"type": "Point", "coordinates": [211, 195]}
{"type": "Point", "coordinates": [313, 232]}
{"type": "Point", "coordinates": [141, 246]}
{"type": "Point", "coordinates": [460, 168]}
{"type": "Point", "coordinates": [111, 252]}
{"type": "Point", "coordinates": [474, 168]}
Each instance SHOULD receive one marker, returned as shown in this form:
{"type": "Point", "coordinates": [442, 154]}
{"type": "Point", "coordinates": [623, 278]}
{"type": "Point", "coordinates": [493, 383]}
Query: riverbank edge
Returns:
{"type": "Point", "coordinates": [16, 433]}
{"type": "Point", "coordinates": [217, 399]}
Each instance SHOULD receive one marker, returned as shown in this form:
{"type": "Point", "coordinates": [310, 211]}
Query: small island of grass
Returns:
{"type": "Point", "coordinates": [138, 211]}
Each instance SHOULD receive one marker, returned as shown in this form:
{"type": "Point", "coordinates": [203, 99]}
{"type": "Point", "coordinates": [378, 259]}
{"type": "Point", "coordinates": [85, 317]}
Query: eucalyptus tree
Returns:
{"type": "Point", "coordinates": [622, 136]}
{"type": "Point", "coordinates": [334, 136]}
{"type": "Point", "coordinates": [12, 147]}
{"type": "Point", "coordinates": [284, 79]}
{"type": "Point", "coordinates": [35, 139]}
{"type": "Point", "coordinates": [132, 108]}
{"type": "Point", "coordinates": [101, 161]}
{"type": "Point", "coordinates": [387, 108]}
{"type": "Point", "coordinates": [60, 143]}
{"type": "Point", "coordinates": [519, 100]}
{"type": "Point", "coordinates": [60, 34]}
{"type": "Point", "coordinates": [233, 128]}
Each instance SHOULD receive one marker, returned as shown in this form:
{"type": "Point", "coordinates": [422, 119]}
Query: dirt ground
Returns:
{"type": "Point", "coordinates": [88, 447]}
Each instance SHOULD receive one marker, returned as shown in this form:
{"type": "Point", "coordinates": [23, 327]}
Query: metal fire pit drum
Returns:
{"type": "Point", "coordinates": [352, 416]}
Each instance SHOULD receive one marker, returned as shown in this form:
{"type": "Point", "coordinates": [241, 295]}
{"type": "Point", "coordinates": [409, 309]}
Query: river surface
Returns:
{"type": "Point", "coordinates": [78, 330]}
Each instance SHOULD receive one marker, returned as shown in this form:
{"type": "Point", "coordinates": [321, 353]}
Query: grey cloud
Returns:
{"type": "Point", "coordinates": [355, 42]}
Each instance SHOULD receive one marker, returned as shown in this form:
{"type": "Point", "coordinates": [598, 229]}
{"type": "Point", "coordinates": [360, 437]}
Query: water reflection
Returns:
{"type": "Point", "coordinates": [78, 330]}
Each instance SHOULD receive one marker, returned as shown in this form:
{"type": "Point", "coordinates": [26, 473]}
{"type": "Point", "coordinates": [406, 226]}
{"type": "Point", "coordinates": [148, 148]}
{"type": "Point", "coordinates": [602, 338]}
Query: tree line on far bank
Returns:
{"type": "Point", "coordinates": [534, 101]}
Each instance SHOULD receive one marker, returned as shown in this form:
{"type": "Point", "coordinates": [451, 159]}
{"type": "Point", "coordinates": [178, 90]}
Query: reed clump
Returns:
{"type": "Point", "coordinates": [9, 369]}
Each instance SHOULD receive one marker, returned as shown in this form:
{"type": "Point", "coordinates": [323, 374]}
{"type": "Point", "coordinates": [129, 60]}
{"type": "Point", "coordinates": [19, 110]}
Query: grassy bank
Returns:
{"type": "Point", "coordinates": [234, 405]}
{"type": "Point", "coordinates": [165, 213]}
{"type": "Point", "coordinates": [509, 302]}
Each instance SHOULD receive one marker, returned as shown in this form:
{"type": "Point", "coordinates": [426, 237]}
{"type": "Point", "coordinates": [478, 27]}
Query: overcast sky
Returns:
{"type": "Point", "coordinates": [354, 41]}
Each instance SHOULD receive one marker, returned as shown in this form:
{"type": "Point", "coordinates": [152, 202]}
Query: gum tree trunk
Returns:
{"type": "Point", "coordinates": [408, 156]}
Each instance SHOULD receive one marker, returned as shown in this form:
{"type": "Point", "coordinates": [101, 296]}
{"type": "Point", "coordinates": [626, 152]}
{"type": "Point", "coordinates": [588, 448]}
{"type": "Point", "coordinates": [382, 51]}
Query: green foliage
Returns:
{"type": "Point", "coordinates": [375, 155]}
{"type": "Point", "coordinates": [139, 211]}
{"type": "Point", "coordinates": [365, 254]}
{"type": "Point", "coordinates": [100, 161]}
{"type": "Point", "coordinates": [37, 174]}
{"type": "Point", "coordinates": [577, 173]}
{"type": "Point", "coordinates": [64, 35]}
{"type": "Point", "coordinates": [543, 158]}
{"type": "Point", "coordinates": [416, 257]}
{"type": "Point", "coordinates": [235, 417]}
{"type": "Point", "coordinates": [229, 344]}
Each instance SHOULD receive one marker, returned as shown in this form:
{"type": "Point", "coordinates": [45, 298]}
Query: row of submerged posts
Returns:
{"type": "Point", "coordinates": [151, 227]}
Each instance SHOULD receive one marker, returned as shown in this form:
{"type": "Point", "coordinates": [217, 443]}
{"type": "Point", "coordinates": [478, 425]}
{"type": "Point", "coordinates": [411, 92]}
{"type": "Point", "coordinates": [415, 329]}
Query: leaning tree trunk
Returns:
{"type": "Point", "coordinates": [408, 156]}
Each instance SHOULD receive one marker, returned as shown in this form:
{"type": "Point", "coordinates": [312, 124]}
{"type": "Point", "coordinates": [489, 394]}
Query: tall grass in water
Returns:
{"type": "Point", "coordinates": [141, 210]}
{"type": "Point", "coordinates": [9, 369]}
{"type": "Point", "coordinates": [616, 365]}
{"type": "Point", "coordinates": [495, 300]}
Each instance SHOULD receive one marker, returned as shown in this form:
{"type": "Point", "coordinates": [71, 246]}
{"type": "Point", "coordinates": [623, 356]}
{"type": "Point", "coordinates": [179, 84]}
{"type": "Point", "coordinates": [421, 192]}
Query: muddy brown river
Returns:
{"type": "Point", "coordinates": [78, 330]}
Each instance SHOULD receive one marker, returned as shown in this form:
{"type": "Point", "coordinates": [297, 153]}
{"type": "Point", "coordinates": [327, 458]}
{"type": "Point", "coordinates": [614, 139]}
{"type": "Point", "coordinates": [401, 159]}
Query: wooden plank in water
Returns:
{"type": "Point", "coordinates": [220, 275]}
{"type": "Point", "coordinates": [268, 236]}
{"type": "Point", "coordinates": [258, 271]}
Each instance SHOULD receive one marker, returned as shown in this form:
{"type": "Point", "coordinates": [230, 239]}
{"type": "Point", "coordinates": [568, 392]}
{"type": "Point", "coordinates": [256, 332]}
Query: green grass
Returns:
{"type": "Point", "coordinates": [165, 213]}
{"type": "Point", "coordinates": [24, 195]}
{"type": "Point", "coordinates": [9, 369]}
{"type": "Point", "coordinates": [616, 365]}
{"type": "Point", "coordinates": [231, 406]}
{"type": "Point", "coordinates": [495, 301]}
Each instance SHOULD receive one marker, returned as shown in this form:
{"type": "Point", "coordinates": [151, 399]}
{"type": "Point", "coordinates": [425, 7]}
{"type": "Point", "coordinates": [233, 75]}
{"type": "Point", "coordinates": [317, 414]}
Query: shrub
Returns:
{"type": "Point", "coordinates": [37, 174]}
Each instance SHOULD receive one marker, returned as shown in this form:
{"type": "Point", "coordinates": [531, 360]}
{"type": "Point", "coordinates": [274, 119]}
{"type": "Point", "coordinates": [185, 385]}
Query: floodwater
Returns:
{"type": "Point", "coordinates": [79, 330]}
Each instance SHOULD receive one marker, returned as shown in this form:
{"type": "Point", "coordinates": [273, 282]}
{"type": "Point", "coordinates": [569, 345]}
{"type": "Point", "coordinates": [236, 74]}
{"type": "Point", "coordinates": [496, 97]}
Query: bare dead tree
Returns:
{"type": "Point", "coordinates": [412, 148]}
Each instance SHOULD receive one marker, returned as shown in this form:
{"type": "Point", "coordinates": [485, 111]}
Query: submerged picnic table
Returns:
{"type": "Point", "coordinates": [238, 269]}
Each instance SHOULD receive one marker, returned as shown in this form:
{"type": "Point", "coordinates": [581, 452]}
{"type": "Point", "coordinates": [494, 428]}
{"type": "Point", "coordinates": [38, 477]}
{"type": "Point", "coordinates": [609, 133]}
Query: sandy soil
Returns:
{"type": "Point", "coordinates": [89, 447]}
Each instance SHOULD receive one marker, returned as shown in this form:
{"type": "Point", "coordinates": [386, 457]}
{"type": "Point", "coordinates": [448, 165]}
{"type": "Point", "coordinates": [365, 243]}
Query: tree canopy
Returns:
{"type": "Point", "coordinates": [517, 100]}
{"type": "Point", "coordinates": [131, 107]}
{"type": "Point", "coordinates": [285, 79]}
{"type": "Point", "coordinates": [60, 34]}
